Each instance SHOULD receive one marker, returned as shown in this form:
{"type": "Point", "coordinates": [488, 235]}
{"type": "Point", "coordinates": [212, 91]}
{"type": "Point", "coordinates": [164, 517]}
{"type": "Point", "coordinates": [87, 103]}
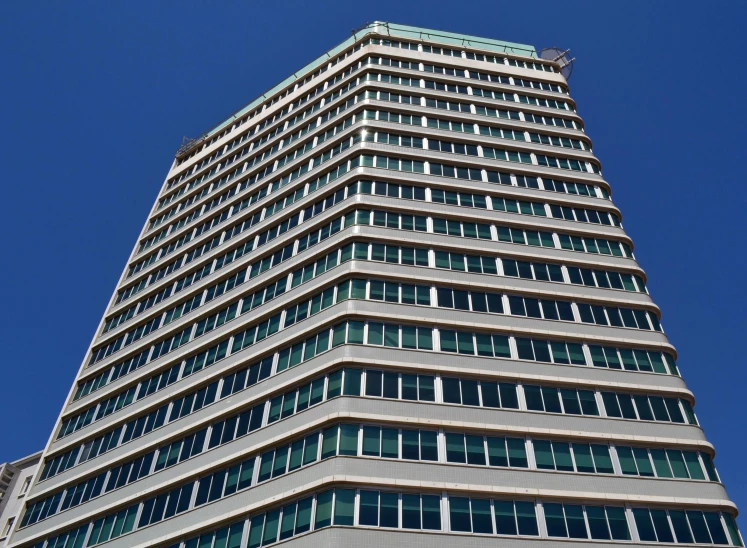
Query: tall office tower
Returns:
{"type": "Point", "coordinates": [388, 303]}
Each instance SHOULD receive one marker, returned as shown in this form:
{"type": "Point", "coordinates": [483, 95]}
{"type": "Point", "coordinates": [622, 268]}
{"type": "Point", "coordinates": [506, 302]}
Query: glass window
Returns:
{"type": "Point", "coordinates": [459, 514]}
{"type": "Point", "coordinates": [680, 526]}
{"type": "Point", "coordinates": [455, 451]}
{"type": "Point", "coordinates": [555, 520]}
{"type": "Point", "coordinates": [323, 509]}
{"type": "Point", "coordinates": [517, 454]}
{"type": "Point", "coordinates": [348, 439]}
{"type": "Point", "coordinates": [482, 521]}
{"type": "Point", "coordinates": [618, 523]}
{"type": "Point", "coordinates": [574, 516]}
{"type": "Point", "coordinates": [583, 458]}
{"type": "Point", "coordinates": [288, 521]}
{"type": "Point", "coordinates": [344, 506]}
{"type": "Point", "coordinates": [505, 520]}
{"type": "Point", "coordinates": [497, 454]}
{"type": "Point", "coordinates": [597, 523]}
{"type": "Point", "coordinates": [526, 518]}
{"type": "Point", "coordinates": [389, 511]}
{"type": "Point", "coordinates": [661, 525]}
{"type": "Point", "coordinates": [431, 512]}
{"type": "Point", "coordinates": [411, 512]}
{"type": "Point", "coordinates": [602, 459]}
{"type": "Point", "coordinates": [429, 446]}
{"type": "Point", "coordinates": [715, 527]}
{"type": "Point", "coordinates": [369, 508]}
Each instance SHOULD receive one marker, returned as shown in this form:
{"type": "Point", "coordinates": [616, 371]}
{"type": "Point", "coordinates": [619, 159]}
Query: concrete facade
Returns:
{"type": "Point", "coordinates": [213, 410]}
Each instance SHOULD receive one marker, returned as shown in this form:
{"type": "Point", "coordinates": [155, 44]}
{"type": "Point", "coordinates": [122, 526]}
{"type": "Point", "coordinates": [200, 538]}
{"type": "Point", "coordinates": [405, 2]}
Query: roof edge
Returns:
{"type": "Point", "coordinates": [382, 28]}
{"type": "Point", "coordinates": [28, 459]}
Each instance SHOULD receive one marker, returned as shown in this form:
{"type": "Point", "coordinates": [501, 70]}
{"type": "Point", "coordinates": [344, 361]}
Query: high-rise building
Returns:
{"type": "Point", "coordinates": [390, 302]}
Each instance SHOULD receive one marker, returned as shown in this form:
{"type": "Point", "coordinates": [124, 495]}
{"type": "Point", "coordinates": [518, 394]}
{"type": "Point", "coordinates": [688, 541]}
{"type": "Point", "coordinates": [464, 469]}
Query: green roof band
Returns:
{"type": "Point", "coordinates": [453, 38]}
{"type": "Point", "coordinates": [386, 29]}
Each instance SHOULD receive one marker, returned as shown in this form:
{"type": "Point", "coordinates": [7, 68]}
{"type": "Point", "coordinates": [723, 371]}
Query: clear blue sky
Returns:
{"type": "Point", "coordinates": [96, 96]}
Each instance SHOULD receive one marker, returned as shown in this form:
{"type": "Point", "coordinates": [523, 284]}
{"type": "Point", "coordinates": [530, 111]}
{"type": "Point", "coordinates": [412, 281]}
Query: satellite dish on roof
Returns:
{"type": "Point", "coordinates": [561, 57]}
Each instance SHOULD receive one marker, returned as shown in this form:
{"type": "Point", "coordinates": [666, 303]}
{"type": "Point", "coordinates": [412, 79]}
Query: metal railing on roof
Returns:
{"type": "Point", "coordinates": [188, 144]}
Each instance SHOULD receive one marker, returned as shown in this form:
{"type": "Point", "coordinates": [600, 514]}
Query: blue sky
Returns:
{"type": "Point", "coordinates": [96, 97]}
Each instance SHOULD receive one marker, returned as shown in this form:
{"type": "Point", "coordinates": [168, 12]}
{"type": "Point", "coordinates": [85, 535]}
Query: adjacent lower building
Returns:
{"type": "Point", "coordinates": [15, 480]}
{"type": "Point", "coordinates": [389, 302]}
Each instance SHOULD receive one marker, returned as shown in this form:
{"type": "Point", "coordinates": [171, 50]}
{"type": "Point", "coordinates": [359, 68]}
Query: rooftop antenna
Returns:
{"type": "Point", "coordinates": [560, 57]}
